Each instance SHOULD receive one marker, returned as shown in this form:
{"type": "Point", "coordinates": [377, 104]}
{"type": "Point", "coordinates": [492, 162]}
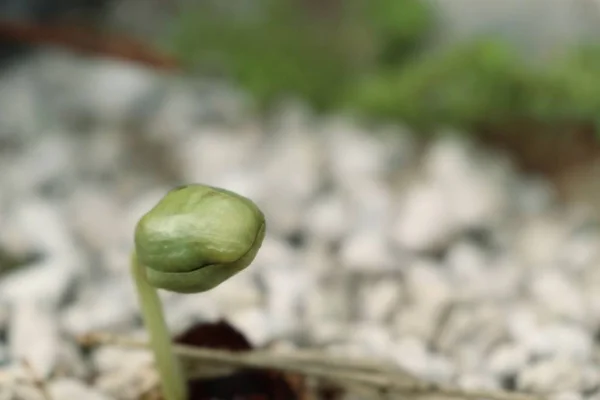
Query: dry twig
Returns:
{"type": "Point", "coordinates": [349, 374]}
{"type": "Point", "coordinates": [83, 39]}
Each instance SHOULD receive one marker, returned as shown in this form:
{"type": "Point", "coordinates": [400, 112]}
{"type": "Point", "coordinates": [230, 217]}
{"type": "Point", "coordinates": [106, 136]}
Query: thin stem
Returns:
{"type": "Point", "coordinates": [169, 368]}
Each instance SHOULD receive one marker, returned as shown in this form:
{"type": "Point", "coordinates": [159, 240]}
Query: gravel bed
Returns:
{"type": "Point", "coordinates": [443, 260]}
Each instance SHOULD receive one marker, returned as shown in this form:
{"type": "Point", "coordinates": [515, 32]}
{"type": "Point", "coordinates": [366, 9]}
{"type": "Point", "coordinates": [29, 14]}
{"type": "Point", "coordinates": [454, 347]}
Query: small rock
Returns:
{"type": "Point", "coordinates": [534, 196]}
{"type": "Point", "coordinates": [477, 381]}
{"type": "Point", "coordinates": [564, 340]}
{"type": "Point", "coordinates": [591, 290]}
{"type": "Point", "coordinates": [124, 373]}
{"type": "Point", "coordinates": [411, 354]}
{"type": "Point", "coordinates": [111, 305]}
{"type": "Point", "coordinates": [374, 339]}
{"type": "Point", "coordinates": [127, 384]}
{"type": "Point", "coordinates": [507, 360]}
{"type": "Point", "coordinates": [20, 102]}
{"type": "Point", "coordinates": [72, 362]}
{"type": "Point", "coordinates": [328, 304]}
{"type": "Point", "coordinates": [22, 391]}
{"type": "Point", "coordinates": [4, 315]}
{"type": "Point", "coordinates": [449, 157]}
{"type": "Point", "coordinates": [428, 294]}
{"type": "Point", "coordinates": [185, 105]}
{"type": "Point", "coordinates": [367, 250]}
{"type": "Point", "coordinates": [4, 355]}
{"type": "Point", "coordinates": [43, 223]}
{"type": "Point", "coordinates": [100, 157]}
{"type": "Point", "coordinates": [246, 181]}
{"type": "Point", "coordinates": [110, 91]}
{"type": "Point", "coordinates": [319, 258]}
{"type": "Point", "coordinates": [50, 278]}
{"type": "Point", "coordinates": [418, 320]}
{"type": "Point", "coordinates": [501, 280]}
{"type": "Point", "coordinates": [427, 283]}
{"type": "Point", "coordinates": [48, 161]}
{"type": "Point", "coordinates": [475, 187]}
{"type": "Point", "coordinates": [235, 294]}
{"type": "Point", "coordinates": [34, 336]}
{"type": "Point", "coordinates": [70, 389]}
{"type": "Point", "coordinates": [292, 173]}
{"type": "Point", "coordinates": [470, 268]}
{"type": "Point", "coordinates": [256, 325]}
{"type": "Point", "coordinates": [294, 152]}
{"type": "Point", "coordinates": [275, 253]}
{"type": "Point", "coordinates": [324, 333]}
{"type": "Point", "coordinates": [470, 331]}
{"type": "Point", "coordinates": [370, 204]}
{"type": "Point", "coordinates": [581, 251]}
{"type": "Point", "coordinates": [277, 210]}
{"type": "Point", "coordinates": [276, 207]}
{"type": "Point", "coordinates": [522, 321]}
{"type": "Point", "coordinates": [424, 222]}
{"type": "Point", "coordinates": [354, 154]}
{"type": "Point", "coordinates": [183, 311]}
{"type": "Point", "coordinates": [466, 260]}
{"type": "Point", "coordinates": [179, 113]}
{"type": "Point", "coordinates": [557, 374]}
{"type": "Point", "coordinates": [559, 294]}
{"type": "Point", "coordinates": [328, 218]}
{"type": "Point", "coordinates": [378, 300]}
{"type": "Point", "coordinates": [540, 240]}
{"type": "Point", "coordinates": [97, 218]}
{"type": "Point", "coordinates": [213, 153]}
{"type": "Point", "coordinates": [48, 281]}
{"type": "Point", "coordinates": [285, 292]}
{"type": "Point", "coordinates": [107, 359]}
{"type": "Point", "coordinates": [567, 395]}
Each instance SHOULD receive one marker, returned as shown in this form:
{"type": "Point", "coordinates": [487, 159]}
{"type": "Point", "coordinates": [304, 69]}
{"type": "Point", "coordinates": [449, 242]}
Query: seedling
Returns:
{"type": "Point", "coordinates": [194, 238]}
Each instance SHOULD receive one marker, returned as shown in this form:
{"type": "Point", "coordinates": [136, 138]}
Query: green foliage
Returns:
{"type": "Point", "coordinates": [483, 82]}
{"type": "Point", "coordinates": [295, 48]}
{"type": "Point", "coordinates": [462, 85]}
{"type": "Point", "coordinates": [366, 56]}
{"type": "Point", "coordinates": [397, 27]}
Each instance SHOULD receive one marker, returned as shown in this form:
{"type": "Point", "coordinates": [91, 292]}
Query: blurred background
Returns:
{"type": "Point", "coordinates": [428, 169]}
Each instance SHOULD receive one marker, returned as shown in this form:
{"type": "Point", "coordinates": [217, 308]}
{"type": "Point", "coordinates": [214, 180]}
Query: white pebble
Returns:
{"type": "Point", "coordinates": [367, 250]}
{"type": "Point", "coordinates": [255, 324]}
{"type": "Point", "coordinates": [561, 340]}
{"type": "Point", "coordinates": [411, 354]}
{"type": "Point", "coordinates": [424, 222]}
{"type": "Point", "coordinates": [328, 218]}
{"type": "Point", "coordinates": [285, 292]}
{"type": "Point", "coordinates": [557, 375]}
{"type": "Point", "coordinates": [70, 389]}
{"type": "Point", "coordinates": [378, 300]}
{"type": "Point", "coordinates": [507, 359]}
{"type": "Point", "coordinates": [34, 336]}
{"type": "Point", "coordinates": [559, 294]}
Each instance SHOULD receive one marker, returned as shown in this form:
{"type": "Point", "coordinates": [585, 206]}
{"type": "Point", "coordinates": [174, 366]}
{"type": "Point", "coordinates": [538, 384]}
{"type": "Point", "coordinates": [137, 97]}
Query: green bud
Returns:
{"type": "Point", "coordinates": [198, 236]}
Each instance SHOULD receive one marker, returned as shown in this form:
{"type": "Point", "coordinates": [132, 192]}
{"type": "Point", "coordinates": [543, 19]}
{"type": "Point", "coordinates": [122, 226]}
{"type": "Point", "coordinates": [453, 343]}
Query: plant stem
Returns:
{"type": "Point", "coordinates": [169, 368]}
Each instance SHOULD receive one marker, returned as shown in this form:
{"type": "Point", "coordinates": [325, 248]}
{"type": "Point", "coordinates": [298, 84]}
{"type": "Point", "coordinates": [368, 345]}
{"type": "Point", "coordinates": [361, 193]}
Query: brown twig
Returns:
{"type": "Point", "coordinates": [79, 38]}
{"type": "Point", "coordinates": [347, 373]}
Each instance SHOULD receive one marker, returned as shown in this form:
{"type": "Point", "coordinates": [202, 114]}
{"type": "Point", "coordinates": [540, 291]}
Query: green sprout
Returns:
{"type": "Point", "coordinates": [194, 239]}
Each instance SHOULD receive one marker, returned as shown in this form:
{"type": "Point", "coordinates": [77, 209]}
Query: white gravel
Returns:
{"type": "Point", "coordinates": [449, 263]}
